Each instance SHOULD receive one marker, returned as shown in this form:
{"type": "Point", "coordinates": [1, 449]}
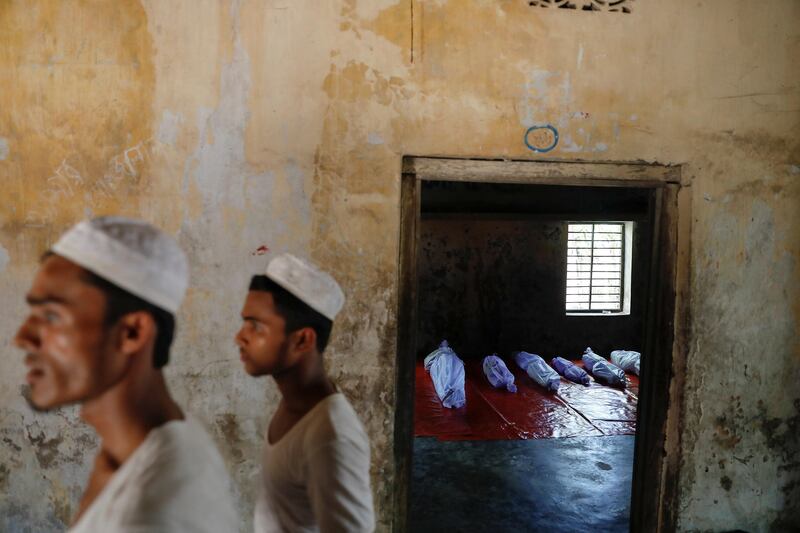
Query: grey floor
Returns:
{"type": "Point", "coordinates": [578, 484]}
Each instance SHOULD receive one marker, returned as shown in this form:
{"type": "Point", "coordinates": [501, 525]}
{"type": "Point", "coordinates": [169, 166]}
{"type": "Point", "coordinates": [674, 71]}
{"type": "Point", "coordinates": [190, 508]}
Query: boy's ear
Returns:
{"type": "Point", "coordinates": [306, 339]}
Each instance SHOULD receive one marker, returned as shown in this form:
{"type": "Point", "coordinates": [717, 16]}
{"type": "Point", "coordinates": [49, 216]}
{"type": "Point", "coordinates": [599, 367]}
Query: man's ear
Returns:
{"type": "Point", "coordinates": [305, 339]}
{"type": "Point", "coordinates": [136, 331]}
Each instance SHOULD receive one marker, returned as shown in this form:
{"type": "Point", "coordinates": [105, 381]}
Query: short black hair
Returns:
{"type": "Point", "coordinates": [120, 302]}
{"type": "Point", "coordinates": [294, 311]}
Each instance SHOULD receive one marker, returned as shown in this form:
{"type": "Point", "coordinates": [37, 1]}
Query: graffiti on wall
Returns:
{"type": "Point", "coordinates": [67, 183]}
{"type": "Point", "coordinates": [541, 139]}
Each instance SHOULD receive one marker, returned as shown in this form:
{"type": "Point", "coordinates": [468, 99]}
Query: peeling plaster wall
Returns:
{"type": "Point", "coordinates": [242, 123]}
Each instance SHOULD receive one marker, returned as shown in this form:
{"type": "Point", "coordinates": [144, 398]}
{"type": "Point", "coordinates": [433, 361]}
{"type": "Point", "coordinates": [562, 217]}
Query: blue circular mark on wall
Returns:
{"type": "Point", "coordinates": [546, 148]}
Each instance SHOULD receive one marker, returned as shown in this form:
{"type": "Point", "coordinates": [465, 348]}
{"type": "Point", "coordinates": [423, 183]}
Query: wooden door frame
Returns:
{"type": "Point", "coordinates": [657, 447]}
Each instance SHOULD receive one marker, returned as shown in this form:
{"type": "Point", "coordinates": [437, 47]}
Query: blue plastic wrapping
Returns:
{"type": "Point", "coordinates": [627, 360]}
{"type": "Point", "coordinates": [589, 359]}
{"type": "Point", "coordinates": [447, 373]}
{"type": "Point", "coordinates": [570, 370]}
{"type": "Point", "coordinates": [498, 373]}
{"type": "Point", "coordinates": [538, 370]}
{"type": "Point", "coordinates": [602, 370]}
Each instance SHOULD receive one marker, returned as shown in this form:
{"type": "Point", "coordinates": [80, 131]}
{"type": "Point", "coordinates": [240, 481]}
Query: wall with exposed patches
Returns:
{"type": "Point", "coordinates": [242, 123]}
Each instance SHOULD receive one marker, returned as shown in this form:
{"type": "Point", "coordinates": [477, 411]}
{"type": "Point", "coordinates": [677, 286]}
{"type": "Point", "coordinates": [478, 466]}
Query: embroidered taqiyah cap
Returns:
{"type": "Point", "coordinates": [306, 281]}
{"type": "Point", "coordinates": [131, 254]}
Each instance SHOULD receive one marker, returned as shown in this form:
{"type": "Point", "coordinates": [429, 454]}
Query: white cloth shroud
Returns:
{"type": "Point", "coordinates": [627, 360]}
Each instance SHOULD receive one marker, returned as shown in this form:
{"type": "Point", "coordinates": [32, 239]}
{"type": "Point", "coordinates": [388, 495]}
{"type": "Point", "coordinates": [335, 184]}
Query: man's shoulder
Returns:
{"type": "Point", "coordinates": [175, 476]}
{"type": "Point", "coordinates": [335, 421]}
{"type": "Point", "coordinates": [185, 471]}
{"type": "Point", "coordinates": [180, 436]}
{"type": "Point", "coordinates": [183, 446]}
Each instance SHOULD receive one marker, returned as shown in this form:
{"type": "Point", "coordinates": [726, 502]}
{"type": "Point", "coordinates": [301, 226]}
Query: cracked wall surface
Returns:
{"type": "Point", "coordinates": [243, 124]}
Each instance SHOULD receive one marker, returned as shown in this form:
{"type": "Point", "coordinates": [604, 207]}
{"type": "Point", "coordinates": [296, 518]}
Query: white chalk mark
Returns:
{"type": "Point", "coordinates": [64, 182]}
{"type": "Point", "coordinates": [133, 156]}
{"type": "Point", "coordinates": [67, 183]}
{"type": "Point", "coordinates": [3, 148]}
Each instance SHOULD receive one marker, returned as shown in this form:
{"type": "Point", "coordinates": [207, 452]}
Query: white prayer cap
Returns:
{"type": "Point", "coordinates": [132, 255]}
{"type": "Point", "coordinates": [312, 286]}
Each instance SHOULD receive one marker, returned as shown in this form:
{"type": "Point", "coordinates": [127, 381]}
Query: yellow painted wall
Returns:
{"type": "Point", "coordinates": [236, 124]}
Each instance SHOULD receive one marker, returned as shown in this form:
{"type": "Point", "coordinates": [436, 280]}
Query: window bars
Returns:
{"type": "Point", "coordinates": [595, 267]}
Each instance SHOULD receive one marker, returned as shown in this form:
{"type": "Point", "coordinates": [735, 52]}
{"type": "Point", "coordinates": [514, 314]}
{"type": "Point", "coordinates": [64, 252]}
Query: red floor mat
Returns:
{"type": "Point", "coordinates": [477, 420]}
{"type": "Point", "coordinates": [530, 413]}
{"type": "Point", "coordinates": [534, 412]}
{"type": "Point", "coordinates": [612, 411]}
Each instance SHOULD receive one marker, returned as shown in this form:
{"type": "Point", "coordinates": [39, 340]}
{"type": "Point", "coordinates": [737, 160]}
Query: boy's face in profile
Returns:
{"type": "Point", "coordinates": [262, 339]}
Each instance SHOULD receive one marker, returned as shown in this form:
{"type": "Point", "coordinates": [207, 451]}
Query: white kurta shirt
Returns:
{"type": "Point", "coordinates": [175, 481]}
{"type": "Point", "coordinates": [316, 477]}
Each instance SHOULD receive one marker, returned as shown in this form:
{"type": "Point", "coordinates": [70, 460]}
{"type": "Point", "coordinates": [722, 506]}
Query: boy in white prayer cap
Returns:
{"type": "Point", "coordinates": [101, 322]}
{"type": "Point", "coordinates": [316, 453]}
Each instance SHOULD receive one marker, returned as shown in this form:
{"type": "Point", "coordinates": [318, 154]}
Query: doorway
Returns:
{"type": "Point", "coordinates": [484, 261]}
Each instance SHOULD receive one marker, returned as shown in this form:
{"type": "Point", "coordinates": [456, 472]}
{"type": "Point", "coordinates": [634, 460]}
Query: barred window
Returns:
{"type": "Point", "coordinates": [598, 267]}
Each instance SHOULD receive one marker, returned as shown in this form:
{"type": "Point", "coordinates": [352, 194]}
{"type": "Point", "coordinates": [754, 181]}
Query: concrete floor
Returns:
{"type": "Point", "coordinates": [580, 484]}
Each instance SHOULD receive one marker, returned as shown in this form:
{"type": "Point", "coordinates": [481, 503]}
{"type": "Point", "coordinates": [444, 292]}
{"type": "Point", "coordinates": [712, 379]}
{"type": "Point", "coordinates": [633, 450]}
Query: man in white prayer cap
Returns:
{"type": "Point", "coordinates": [102, 317]}
{"type": "Point", "coordinates": [316, 454]}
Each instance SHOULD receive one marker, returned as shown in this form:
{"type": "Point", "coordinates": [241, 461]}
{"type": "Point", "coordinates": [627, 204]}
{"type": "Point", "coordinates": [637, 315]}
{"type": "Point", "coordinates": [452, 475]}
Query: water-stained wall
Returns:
{"type": "Point", "coordinates": [247, 123]}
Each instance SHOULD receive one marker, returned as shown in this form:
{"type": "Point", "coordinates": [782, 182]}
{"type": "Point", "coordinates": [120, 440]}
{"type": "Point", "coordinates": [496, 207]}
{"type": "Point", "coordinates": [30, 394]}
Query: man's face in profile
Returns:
{"type": "Point", "coordinates": [64, 336]}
